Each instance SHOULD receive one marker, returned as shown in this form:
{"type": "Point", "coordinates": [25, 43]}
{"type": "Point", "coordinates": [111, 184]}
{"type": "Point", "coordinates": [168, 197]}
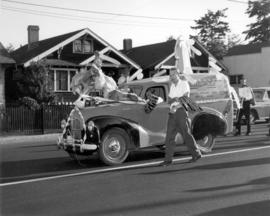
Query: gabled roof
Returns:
{"type": "Point", "coordinates": [4, 56]}
{"type": "Point", "coordinates": [247, 49]}
{"type": "Point", "coordinates": [43, 48]}
{"type": "Point", "coordinates": [23, 54]}
{"type": "Point", "coordinates": [149, 56]}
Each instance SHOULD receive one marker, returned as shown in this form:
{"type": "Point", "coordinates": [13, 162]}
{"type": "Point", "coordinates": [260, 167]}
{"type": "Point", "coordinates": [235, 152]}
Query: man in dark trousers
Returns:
{"type": "Point", "coordinates": [178, 121]}
{"type": "Point", "coordinates": [247, 98]}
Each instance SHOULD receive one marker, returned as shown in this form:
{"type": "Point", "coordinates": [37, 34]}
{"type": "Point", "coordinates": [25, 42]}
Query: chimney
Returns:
{"type": "Point", "coordinates": [33, 36]}
{"type": "Point", "coordinates": [127, 44]}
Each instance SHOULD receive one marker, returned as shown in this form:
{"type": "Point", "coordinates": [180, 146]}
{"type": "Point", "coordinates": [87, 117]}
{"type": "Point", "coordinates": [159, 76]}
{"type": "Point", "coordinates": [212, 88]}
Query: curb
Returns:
{"type": "Point", "coordinates": [29, 138]}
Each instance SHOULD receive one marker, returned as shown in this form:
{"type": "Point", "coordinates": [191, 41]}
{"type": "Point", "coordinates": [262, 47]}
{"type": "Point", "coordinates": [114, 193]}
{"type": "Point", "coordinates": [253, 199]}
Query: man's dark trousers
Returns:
{"type": "Point", "coordinates": [244, 111]}
{"type": "Point", "coordinates": [179, 122]}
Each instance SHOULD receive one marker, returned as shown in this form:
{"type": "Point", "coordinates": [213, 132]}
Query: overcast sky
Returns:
{"type": "Point", "coordinates": [14, 18]}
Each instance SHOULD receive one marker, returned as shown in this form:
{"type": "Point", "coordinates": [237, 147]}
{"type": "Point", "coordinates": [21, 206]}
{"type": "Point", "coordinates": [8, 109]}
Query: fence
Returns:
{"type": "Point", "coordinates": [21, 119]}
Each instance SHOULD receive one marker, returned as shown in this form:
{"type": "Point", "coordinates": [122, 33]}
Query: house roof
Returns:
{"type": "Point", "coordinates": [23, 54]}
{"type": "Point", "coordinates": [4, 56]}
{"type": "Point", "coordinates": [149, 56]}
{"type": "Point", "coordinates": [247, 49]}
{"type": "Point", "coordinates": [43, 48]}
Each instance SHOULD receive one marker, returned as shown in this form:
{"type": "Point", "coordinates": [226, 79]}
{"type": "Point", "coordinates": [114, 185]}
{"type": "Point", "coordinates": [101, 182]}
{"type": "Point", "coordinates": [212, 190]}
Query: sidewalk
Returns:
{"type": "Point", "coordinates": [12, 139]}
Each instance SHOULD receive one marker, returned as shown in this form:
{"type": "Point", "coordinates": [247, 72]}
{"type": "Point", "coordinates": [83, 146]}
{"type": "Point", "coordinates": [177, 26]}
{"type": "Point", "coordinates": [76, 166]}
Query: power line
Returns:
{"type": "Point", "coordinates": [82, 18]}
{"type": "Point", "coordinates": [96, 12]}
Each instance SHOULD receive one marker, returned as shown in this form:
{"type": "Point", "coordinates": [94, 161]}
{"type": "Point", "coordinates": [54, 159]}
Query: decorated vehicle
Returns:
{"type": "Point", "coordinates": [261, 109]}
{"type": "Point", "coordinates": [124, 126]}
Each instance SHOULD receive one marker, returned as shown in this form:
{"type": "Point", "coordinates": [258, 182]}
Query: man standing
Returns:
{"type": "Point", "coordinates": [178, 121]}
{"type": "Point", "coordinates": [246, 97]}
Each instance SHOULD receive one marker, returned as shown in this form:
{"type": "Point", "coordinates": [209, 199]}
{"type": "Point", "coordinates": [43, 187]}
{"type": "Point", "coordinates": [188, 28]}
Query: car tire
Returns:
{"type": "Point", "coordinates": [113, 149]}
{"type": "Point", "coordinates": [206, 143]}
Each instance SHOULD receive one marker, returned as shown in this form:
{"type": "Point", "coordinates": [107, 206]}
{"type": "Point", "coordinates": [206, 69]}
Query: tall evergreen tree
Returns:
{"type": "Point", "coordinates": [212, 32]}
{"type": "Point", "coordinates": [259, 31]}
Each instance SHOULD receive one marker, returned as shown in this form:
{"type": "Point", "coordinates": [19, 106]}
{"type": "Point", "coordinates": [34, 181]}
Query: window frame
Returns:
{"type": "Point", "coordinates": [156, 87]}
{"type": "Point", "coordinates": [236, 78]}
{"type": "Point", "coordinates": [69, 79]}
{"type": "Point", "coordinates": [82, 46]}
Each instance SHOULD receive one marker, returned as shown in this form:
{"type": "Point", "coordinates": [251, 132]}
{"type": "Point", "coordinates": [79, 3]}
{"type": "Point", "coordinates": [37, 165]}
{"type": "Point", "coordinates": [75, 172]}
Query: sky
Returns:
{"type": "Point", "coordinates": [175, 18]}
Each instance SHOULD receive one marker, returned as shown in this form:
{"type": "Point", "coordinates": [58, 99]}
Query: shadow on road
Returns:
{"type": "Point", "coordinates": [233, 164]}
{"type": "Point", "coordinates": [247, 144]}
{"type": "Point", "coordinates": [262, 182]}
{"type": "Point", "coordinates": [257, 208]}
{"type": "Point", "coordinates": [20, 170]}
{"type": "Point", "coordinates": [157, 203]}
{"type": "Point", "coordinates": [191, 166]}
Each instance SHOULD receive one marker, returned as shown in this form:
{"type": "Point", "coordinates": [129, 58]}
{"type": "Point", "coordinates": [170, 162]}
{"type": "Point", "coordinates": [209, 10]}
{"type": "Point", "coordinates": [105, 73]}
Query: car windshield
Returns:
{"type": "Point", "coordinates": [258, 93]}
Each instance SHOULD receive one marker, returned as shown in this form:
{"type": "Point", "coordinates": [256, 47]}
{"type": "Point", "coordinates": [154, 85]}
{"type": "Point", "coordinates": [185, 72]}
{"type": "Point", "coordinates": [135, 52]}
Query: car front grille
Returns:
{"type": "Point", "coordinates": [76, 124]}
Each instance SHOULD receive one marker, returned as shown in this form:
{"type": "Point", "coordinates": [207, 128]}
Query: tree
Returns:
{"type": "Point", "coordinates": [10, 48]}
{"type": "Point", "coordinates": [212, 32]}
{"type": "Point", "coordinates": [33, 85]}
{"type": "Point", "coordinates": [233, 40]}
{"type": "Point", "coordinates": [259, 31]}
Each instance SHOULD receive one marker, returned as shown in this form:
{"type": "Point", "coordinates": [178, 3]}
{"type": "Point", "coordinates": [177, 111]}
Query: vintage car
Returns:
{"type": "Point", "coordinates": [125, 126]}
{"type": "Point", "coordinates": [261, 110]}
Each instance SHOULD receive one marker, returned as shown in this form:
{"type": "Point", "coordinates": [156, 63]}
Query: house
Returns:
{"type": "Point", "coordinates": [66, 54]}
{"type": "Point", "coordinates": [251, 61]}
{"type": "Point", "coordinates": [5, 61]}
{"type": "Point", "coordinates": [156, 57]}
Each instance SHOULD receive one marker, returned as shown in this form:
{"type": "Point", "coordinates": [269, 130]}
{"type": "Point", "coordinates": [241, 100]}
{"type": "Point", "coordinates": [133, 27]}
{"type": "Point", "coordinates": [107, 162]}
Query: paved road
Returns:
{"type": "Point", "coordinates": [233, 180]}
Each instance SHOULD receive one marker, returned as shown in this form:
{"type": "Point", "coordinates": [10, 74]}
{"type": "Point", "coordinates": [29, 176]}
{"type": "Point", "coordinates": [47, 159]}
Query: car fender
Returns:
{"type": "Point", "coordinates": [208, 121]}
{"type": "Point", "coordinates": [104, 123]}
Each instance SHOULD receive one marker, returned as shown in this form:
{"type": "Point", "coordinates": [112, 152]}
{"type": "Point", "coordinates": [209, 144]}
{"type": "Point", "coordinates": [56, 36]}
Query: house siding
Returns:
{"type": "Point", "coordinates": [255, 67]}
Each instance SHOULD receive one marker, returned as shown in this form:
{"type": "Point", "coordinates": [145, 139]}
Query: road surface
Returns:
{"type": "Point", "coordinates": [234, 179]}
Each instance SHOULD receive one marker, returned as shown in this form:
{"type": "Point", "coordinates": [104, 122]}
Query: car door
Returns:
{"type": "Point", "coordinates": [155, 122]}
{"type": "Point", "coordinates": [262, 105]}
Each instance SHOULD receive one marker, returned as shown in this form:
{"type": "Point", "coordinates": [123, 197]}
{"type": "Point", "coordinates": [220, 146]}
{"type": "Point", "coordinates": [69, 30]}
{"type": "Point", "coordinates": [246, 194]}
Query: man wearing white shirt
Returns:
{"type": "Point", "coordinates": [178, 121]}
{"type": "Point", "coordinates": [246, 97]}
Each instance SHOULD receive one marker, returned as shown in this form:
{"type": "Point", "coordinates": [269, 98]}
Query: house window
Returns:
{"type": "Point", "coordinates": [83, 46]}
{"type": "Point", "coordinates": [87, 47]}
{"type": "Point", "coordinates": [60, 79]}
{"type": "Point", "coordinates": [51, 80]}
{"type": "Point", "coordinates": [236, 79]}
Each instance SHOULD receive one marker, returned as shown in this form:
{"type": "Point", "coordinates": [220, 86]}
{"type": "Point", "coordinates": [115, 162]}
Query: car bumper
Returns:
{"type": "Point", "coordinates": [74, 145]}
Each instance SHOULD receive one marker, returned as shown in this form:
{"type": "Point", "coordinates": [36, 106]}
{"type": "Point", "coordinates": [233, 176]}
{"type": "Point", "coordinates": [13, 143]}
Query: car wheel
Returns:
{"type": "Point", "coordinates": [113, 149]}
{"type": "Point", "coordinates": [206, 143]}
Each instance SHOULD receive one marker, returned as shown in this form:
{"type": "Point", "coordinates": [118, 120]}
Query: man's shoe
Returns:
{"type": "Point", "coordinates": [248, 133]}
{"type": "Point", "coordinates": [194, 159]}
{"type": "Point", "coordinates": [165, 163]}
